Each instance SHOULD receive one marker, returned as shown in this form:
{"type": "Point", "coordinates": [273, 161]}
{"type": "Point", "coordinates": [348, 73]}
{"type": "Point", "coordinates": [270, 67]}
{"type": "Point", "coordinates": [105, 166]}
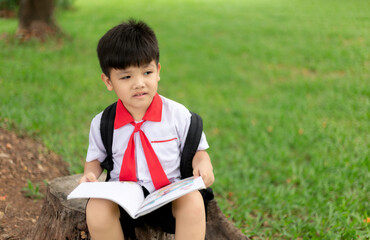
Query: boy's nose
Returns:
{"type": "Point", "coordinates": [139, 83]}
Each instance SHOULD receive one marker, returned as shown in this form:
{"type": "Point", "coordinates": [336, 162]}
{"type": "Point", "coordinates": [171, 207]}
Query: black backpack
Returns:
{"type": "Point", "coordinates": [190, 147]}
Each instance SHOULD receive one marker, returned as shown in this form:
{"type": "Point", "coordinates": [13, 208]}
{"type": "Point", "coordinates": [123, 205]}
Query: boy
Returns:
{"type": "Point", "coordinates": [149, 135]}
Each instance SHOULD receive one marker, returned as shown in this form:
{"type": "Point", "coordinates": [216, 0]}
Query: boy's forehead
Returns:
{"type": "Point", "coordinates": [132, 68]}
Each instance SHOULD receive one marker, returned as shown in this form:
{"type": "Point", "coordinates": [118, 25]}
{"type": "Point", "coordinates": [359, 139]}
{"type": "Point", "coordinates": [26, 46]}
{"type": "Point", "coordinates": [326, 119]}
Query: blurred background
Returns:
{"type": "Point", "coordinates": [282, 86]}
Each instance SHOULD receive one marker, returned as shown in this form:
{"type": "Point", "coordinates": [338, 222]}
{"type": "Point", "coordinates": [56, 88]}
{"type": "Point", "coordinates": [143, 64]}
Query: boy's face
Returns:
{"type": "Point", "coordinates": [135, 86]}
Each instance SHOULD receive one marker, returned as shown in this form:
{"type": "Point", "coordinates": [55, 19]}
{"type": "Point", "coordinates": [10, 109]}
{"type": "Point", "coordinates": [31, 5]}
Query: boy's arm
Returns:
{"type": "Point", "coordinates": [92, 171]}
{"type": "Point", "coordinates": [202, 166]}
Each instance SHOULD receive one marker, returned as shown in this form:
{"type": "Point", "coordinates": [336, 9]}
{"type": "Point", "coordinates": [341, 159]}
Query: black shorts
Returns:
{"type": "Point", "coordinates": [162, 217]}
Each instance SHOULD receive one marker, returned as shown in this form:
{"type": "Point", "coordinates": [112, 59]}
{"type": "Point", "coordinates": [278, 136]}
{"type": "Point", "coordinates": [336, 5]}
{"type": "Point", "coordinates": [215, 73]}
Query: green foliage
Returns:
{"type": "Point", "coordinates": [65, 4]}
{"type": "Point", "coordinates": [282, 87]}
{"type": "Point", "coordinates": [9, 4]}
{"type": "Point", "coordinates": [32, 190]}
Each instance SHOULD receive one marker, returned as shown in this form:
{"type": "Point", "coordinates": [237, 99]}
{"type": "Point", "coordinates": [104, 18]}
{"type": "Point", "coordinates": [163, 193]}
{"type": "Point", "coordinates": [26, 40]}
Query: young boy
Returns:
{"type": "Point", "coordinates": [149, 135]}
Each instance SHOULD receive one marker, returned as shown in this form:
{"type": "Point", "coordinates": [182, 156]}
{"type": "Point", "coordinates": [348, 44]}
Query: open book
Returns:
{"type": "Point", "coordinates": [130, 196]}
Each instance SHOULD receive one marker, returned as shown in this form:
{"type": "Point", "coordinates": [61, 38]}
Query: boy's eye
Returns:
{"type": "Point", "coordinates": [148, 72]}
{"type": "Point", "coordinates": [125, 77]}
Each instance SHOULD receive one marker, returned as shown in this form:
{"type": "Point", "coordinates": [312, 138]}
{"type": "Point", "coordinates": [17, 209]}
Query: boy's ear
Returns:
{"type": "Point", "coordinates": [159, 70]}
{"type": "Point", "coordinates": [107, 82]}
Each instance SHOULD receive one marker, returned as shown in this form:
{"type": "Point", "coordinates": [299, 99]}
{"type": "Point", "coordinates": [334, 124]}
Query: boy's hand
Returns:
{"type": "Point", "coordinates": [89, 177]}
{"type": "Point", "coordinates": [206, 173]}
{"type": "Point", "coordinates": [202, 166]}
{"type": "Point", "coordinates": [92, 172]}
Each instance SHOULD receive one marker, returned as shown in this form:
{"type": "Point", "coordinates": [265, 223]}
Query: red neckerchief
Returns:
{"type": "Point", "coordinates": [154, 113]}
{"type": "Point", "coordinates": [128, 168]}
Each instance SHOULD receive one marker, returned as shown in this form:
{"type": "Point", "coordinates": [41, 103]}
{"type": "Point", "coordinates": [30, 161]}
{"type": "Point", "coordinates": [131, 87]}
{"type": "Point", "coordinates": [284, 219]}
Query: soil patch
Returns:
{"type": "Point", "coordinates": [22, 159]}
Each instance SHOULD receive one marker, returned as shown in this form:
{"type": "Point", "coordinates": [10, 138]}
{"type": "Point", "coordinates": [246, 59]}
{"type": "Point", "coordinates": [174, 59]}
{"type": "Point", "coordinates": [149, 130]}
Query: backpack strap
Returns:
{"type": "Point", "coordinates": [191, 145]}
{"type": "Point", "coordinates": [190, 148]}
{"type": "Point", "coordinates": [106, 132]}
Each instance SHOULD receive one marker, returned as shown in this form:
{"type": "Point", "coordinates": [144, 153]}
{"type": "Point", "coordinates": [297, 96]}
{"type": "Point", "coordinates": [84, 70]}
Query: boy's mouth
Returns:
{"type": "Point", "coordinates": [139, 94]}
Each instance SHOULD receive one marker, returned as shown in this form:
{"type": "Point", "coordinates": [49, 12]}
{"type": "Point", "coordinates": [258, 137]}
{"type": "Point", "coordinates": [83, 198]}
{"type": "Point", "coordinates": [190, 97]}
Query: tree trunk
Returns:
{"type": "Point", "coordinates": [61, 219]}
{"type": "Point", "coordinates": [36, 19]}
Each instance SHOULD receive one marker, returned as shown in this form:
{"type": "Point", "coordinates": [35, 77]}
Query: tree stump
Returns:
{"type": "Point", "coordinates": [63, 219]}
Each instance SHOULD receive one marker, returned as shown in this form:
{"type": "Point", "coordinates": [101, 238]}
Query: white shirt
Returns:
{"type": "Point", "coordinates": [167, 138]}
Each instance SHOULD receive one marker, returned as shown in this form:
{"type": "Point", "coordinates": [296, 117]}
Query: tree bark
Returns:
{"type": "Point", "coordinates": [36, 19]}
{"type": "Point", "coordinates": [62, 219]}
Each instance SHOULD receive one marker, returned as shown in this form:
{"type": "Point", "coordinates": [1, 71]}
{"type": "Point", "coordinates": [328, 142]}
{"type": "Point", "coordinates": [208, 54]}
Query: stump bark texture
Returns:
{"type": "Point", "coordinates": [63, 219]}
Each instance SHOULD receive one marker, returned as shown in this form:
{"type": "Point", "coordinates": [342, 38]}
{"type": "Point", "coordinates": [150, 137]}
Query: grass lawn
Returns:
{"type": "Point", "coordinates": [282, 86]}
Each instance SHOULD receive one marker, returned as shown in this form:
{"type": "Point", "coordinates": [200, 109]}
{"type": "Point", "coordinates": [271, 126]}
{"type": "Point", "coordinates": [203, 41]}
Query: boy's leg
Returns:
{"type": "Point", "coordinates": [102, 217]}
{"type": "Point", "coordinates": [190, 217]}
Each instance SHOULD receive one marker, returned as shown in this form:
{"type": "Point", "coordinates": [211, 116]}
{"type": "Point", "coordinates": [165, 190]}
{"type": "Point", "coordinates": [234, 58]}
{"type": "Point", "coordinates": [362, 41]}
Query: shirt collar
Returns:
{"type": "Point", "coordinates": [153, 113]}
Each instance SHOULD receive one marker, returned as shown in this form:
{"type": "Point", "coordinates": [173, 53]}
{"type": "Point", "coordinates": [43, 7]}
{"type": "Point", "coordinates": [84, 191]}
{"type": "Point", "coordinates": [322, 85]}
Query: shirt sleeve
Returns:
{"type": "Point", "coordinates": [203, 144]}
{"type": "Point", "coordinates": [96, 149]}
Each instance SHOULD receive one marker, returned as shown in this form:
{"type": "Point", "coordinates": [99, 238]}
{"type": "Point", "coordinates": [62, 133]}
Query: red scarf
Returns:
{"type": "Point", "coordinates": [128, 168]}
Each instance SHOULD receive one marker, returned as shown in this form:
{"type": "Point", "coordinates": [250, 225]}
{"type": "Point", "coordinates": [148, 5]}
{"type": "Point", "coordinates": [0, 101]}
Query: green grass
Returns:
{"type": "Point", "coordinates": [282, 86]}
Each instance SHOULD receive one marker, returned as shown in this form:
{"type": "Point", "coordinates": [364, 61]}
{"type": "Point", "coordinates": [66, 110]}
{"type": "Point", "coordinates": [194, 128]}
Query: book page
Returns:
{"type": "Point", "coordinates": [129, 195]}
{"type": "Point", "coordinates": [169, 193]}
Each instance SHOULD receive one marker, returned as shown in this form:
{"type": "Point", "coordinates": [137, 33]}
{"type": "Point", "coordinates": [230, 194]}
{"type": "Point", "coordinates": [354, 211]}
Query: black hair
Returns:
{"type": "Point", "coordinates": [131, 43]}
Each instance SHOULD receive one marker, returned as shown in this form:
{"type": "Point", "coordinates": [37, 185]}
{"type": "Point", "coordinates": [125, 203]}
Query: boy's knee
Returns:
{"type": "Point", "coordinates": [190, 206]}
{"type": "Point", "coordinates": [100, 213]}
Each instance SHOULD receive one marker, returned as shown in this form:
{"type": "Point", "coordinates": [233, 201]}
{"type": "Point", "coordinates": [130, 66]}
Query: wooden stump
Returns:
{"type": "Point", "coordinates": [63, 219]}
